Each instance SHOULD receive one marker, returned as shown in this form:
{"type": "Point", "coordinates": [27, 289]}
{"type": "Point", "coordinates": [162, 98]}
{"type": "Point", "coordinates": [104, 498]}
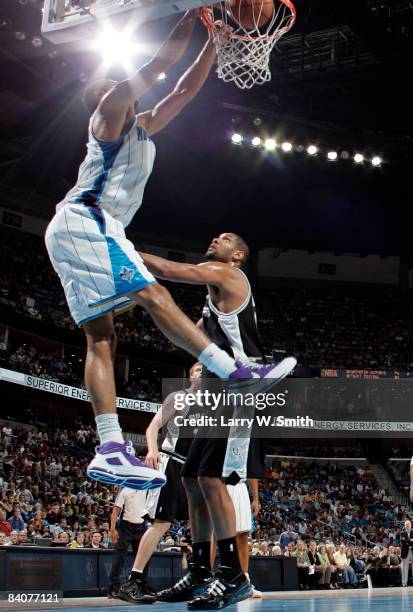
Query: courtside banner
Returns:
{"type": "Point", "coordinates": [299, 408]}
{"type": "Point", "coordinates": [51, 386]}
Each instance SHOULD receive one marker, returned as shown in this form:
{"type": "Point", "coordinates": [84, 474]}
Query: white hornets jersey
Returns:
{"type": "Point", "coordinates": [113, 175]}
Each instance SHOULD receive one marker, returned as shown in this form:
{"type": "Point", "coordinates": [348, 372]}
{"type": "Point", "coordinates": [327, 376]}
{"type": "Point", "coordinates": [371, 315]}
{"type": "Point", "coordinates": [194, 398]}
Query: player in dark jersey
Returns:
{"type": "Point", "coordinates": [169, 503]}
{"type": "Point", "coordinates": [228, 319]}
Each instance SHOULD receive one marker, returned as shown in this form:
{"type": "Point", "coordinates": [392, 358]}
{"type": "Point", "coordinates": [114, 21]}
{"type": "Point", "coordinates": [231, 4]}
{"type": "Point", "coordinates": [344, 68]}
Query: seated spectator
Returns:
{"type": "Point", "coordinates": [327, 567]}
{"type": "Point", "coordinates": [7, 504]}
{"type": "Point", "coordinates": [16, 521]}
{"type": "Point", "coordinates": [14, 538]}
{"type": "Point", "coordinates": [264, 549]}
{"type": "Point", "coordinates": [64, 537]}
{"type": "Point", "coordinates": [79, 541]}
{"type": "Point", "coordinates": [2, 539]}
{"type": "Point", "coordinates": [276, 551]}
{"type": "Point", "coordinates": [391, 567]}
{"type": "Point", "coordinates": [46, 533]}
{"type": "Point", "coordinates": [5, 526]}
{"type": "Point", "coordinates": [96, 540]}
{"type": "Point", "coordinates": [373, 565]}
{"type": "Point", "coordinates": [331, 549]}
{"type": "Point", "coordinates": [348, 574]}
{"type": "Point", "coordinates": [358, 565]}
{"type": "Point", "coordinates": [303, 564]}
{"type": "Point", "coordinates": [23, 539]}
{"type": "Point", "coordinates": [288, 552]}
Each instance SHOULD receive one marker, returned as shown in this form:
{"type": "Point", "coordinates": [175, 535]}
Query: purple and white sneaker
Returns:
{"type": "Point", "coordinates": [116, 464]}
{"type": "Point", "coordinates": [262, 377]}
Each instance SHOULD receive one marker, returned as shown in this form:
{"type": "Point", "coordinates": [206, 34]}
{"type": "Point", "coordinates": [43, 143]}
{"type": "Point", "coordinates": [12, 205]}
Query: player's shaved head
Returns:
{"type": "Point", "coordinates": [94, 92]}
{"type": "Point", "coordinates": [229, 248]}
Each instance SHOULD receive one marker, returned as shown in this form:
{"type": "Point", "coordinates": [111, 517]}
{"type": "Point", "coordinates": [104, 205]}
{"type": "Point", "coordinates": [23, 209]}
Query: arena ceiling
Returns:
{"type": "Point", "coordinates": [341, 77]}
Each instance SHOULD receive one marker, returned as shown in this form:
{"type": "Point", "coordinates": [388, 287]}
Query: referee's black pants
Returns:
{"type": "Point", "coordinates": [129, 533]}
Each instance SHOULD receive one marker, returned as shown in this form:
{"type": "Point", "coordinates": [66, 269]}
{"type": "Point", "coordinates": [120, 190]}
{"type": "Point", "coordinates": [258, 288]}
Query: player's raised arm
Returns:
{"type": "Point", "coordinates": [117, 99]}
{"type": "Point", "coordinates": [185, 90]}
{"type": "Point", "coordinates": [209, 273]}
{"type": "Point", "coordinates": [166, 411]}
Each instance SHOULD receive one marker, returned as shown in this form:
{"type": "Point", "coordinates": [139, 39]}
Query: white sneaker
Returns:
{"type": "Point", "coordinates": [116, 464]}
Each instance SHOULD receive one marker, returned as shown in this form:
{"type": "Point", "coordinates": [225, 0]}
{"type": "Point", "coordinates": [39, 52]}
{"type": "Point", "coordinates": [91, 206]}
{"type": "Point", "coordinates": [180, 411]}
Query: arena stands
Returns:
{"type": "Point", "coordinates": [44, 496]}
{"type": "Point", "coordinates": [322, 327]}
{"type": "Point", "coordinates": [56, 366]}
{"type": "Point", "coordinates": [44, 493]}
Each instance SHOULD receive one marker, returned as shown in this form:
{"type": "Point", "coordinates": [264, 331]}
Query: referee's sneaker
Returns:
{"type": "Point", "coordinates": [126, 527]}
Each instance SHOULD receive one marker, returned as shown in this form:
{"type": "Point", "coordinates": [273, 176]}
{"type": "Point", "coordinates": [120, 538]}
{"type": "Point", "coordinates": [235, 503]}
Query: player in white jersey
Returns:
{"type": "Point", "coordinates": [100, 270]}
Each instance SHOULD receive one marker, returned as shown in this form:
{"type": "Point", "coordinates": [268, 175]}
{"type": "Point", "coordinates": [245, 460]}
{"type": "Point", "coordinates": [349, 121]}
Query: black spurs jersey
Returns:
{"type": "Point", "coordinates": [235, 332]}
{"type": "Point", "coordinates": [172, 440]}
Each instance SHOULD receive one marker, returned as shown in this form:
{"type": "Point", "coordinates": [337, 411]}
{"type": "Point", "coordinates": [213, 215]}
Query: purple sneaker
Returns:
{"type": "Point", "coordinates": [116, 464]}
{"type": "Point", "coordinates": [261, 376]}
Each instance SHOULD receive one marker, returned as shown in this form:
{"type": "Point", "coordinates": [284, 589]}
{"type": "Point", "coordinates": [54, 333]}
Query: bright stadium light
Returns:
{"type": "Point", "coordinates": [376, 161]}
{"type": "Point", "coordinates": [162, 76]}
{"type": "Point", "coordinates": [312, 150]}
{"type": "Point", "coordinates": [270, 144]}
{"type": "Point", "coordinates": [256, 141]}
{"type": "Point", "coordinates": [117, 47]}
{"type": "Point", "coordinates": [287, 147]}
{"type": "Point", "coordinates": [358, 158]}
{"type": "Point", "coordinates": [236, 138]}
{"type": "Point", "coordinates": [332, 155]}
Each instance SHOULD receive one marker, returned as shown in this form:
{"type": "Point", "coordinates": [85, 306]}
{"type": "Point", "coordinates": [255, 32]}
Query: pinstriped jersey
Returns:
{"type": "Point", "coordinates": [113, 175]}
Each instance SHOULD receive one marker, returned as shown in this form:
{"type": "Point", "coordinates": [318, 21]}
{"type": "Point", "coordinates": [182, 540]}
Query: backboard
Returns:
{"type": "Point", "coordinates": [66, 21]}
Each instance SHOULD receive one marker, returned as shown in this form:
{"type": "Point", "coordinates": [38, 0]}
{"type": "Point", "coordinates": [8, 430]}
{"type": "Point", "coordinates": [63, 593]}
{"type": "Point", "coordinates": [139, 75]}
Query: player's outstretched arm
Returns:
{"type": "Point", "coordinates": [160, 419]}
{"type": "Point", "coordinates": [190, 83]}
{"type": "Point", "coordinates": [126, 92]}
{"type": "Point", "coordinates": [209, 273]}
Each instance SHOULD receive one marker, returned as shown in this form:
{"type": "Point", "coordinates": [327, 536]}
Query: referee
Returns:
{"type": "Point", "coordinates": [126, 527]}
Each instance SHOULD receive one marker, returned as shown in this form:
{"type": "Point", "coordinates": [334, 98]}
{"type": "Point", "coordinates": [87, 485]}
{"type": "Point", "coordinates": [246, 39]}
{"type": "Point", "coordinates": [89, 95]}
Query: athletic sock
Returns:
{"type": "Point", "coordinates": [136, 575]}
{"type": "Point", "coordinates": [217, 361]}
{"type": "Point", "coordinates": [108, 428]}
{"type": "Point", "coordinates": [201, 554]}
{"type": "Point", "coordinates": [228, 552]}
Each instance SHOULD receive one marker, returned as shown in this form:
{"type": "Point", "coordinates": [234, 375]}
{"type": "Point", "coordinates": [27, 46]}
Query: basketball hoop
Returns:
{"type": "Point", "coordinates": [244, 55]}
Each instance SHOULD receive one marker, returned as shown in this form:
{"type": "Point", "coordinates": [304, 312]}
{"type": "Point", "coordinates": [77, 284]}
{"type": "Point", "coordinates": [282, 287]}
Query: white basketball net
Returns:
{"type": "Point", "coordinates": [244, 55]}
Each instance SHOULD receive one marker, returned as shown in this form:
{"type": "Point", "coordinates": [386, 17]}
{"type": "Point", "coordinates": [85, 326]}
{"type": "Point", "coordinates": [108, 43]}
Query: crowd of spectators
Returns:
{"type": "Point", "coordinates": [68, 369]}
{"type": "Point", "coordinates": [329, 565]}
{"type": "Point", "coordinates": [400, 472]}
{"type": "Point", "coordinates": [44, 493]}
{"type": "Point", "coordinates": [334, 330]}
{"type": "Point", "coordinates": [323, 498]}
{"type": "Point", "coordinates": [54, 365]}
{"type": "Point", "coordinates": [341, 528]}
{"type": "Point", "coordinates": [327, 499]}
{"type": "Point", "coordinates": [322, 328]}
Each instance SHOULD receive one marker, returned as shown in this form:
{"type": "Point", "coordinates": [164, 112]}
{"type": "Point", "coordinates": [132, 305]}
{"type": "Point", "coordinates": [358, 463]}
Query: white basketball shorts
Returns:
{"type": "Point", "coordinates": [97, 265]}
{"type": "Point", "coordinates": [241, 500]}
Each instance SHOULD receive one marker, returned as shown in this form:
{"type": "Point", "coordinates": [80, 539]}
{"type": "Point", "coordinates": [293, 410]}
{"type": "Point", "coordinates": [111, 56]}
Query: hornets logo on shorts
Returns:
{"type": "Point", "coordinates": [127, 274]}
